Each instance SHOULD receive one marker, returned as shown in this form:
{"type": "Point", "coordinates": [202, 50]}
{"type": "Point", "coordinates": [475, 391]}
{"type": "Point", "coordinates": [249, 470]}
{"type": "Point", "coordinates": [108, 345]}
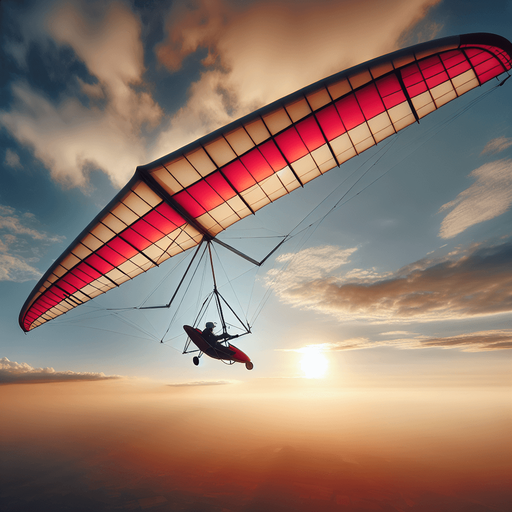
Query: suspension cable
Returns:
{"type": "Point", "coordinates": [385, 148]}
{"type": "Point", "coordinates": [309, 230]}
{"type": "Point", "coordinates": [183, 297]}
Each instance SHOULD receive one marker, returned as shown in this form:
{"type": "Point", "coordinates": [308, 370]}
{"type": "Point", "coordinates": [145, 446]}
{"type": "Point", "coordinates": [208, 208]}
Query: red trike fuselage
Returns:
{"type": "Point", "coordinates": [226, 352]}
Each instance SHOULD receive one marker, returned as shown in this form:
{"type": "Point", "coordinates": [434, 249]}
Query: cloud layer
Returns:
{"type": "Point", "coordinates": [489, 197]}
{"type": "Point", "coordinates": [482, 341]}
{"type": "Point", "coordinates": [22, 373]}
{"type": "Point", "coordinates": [20, 243]}
{"type": "Point", "coordinates": [12, 159]}
{"type": "Point", "coordinates": [476, 283]}
{"type": "Point", "coordinates": [255, 52]}
{"type": "Point", "coordinates": [497, 145]}
{"type": "Point", "coordinates": [92, 125]}
{"type": "Point", "coordinates": [261, 50]}
{"type": "Point", "coordinates": [201, 383]}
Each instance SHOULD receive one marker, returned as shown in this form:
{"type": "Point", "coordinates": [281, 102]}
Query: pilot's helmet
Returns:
{"type": "Point", "coordinates": [210, 325]}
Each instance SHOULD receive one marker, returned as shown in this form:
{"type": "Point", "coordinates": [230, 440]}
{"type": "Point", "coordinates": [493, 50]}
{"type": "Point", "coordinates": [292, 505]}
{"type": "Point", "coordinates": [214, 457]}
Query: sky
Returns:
{"type": "Point", "coordinates": [381, 335]}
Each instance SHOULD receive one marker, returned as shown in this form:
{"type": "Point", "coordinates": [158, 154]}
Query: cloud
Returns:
{"type": "Point", "coordinates": [349, 344]}
{"type": "Point", "coordinates": [255, 52]}
{"type": "Point", "coordinates": [12, 159]}
{"type": "Point", "coordinates": [13, 268]}
{"type": "Point", "coordinates": [306, 266]}
{"type": "Point", "coordinates": [201, 383]}
{"type": "Point", "coordinates": [20, 245]}
{"type": "Point", "coordinates": [259, 51]}
{"type": "Point", "coordinates": [22, 373]}
{"type": "Point", "coordinates": [104, 131]}
{"type": "Point", "coordinates": [482, 341]}
{"type": "Point", "coordinates": [473, 283]}
{"type": "Point", "coordinates": [396, 333]}
{"type": "Point", "coordinates": [497, 145]}
{"type": "Point", "coordinates": [473, 342]}
{"type": "Point", "coordinates": [12, 222]}
{"type": "Point", "coordinates": [489, 197]}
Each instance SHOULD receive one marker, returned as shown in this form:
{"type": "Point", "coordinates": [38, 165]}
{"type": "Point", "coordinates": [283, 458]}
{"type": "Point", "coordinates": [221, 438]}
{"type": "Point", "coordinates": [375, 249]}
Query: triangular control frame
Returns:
{"type": "Point", "coordinates": [219, 302]}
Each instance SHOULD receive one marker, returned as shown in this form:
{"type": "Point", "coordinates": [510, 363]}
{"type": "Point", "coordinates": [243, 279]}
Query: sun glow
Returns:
{"type": "Point", "coordinates": [314, 364]}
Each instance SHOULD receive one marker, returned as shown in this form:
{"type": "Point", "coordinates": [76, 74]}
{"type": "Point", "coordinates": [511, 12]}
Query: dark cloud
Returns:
{"type": "Point", "coordinates": [476, 283]}
{"type": "Point", "coordinates": [22, 373]}
{"type": "Point", "coordinates": [473, 342]}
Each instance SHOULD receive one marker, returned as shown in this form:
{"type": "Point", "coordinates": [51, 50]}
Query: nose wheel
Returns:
{"type": "Point", "coordinates": [249, 365]}
{"type": "Point", "coordinates": [196, 360]}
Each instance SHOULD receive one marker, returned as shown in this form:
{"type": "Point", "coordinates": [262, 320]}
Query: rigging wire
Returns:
{"type": "Point", "coordinates": [431, 132]}
{"type": "Point", "coordinates": [116, 312]}
{"type": "Point", "coordinates": [183, 297]}
{"type": "Point", "coordinates": [202, 283]}
{"type": "Point", "coordinates": [251, 237]}
{"type": "Point", "coordinates": [419, 141]}
{"type": "Point", "coordinates": [162, 281]}
{"type": "Point", "coordinates": [229, 282]}
{"type": "Point", "coordinates": [306, 232]}
{"type": "Point", "coordinates": [203, 309]}
{"type": "Point", "coordinates": [312, 227]}
{"type": "Point", "coordinates": [98, 313]}
{"type": "Point", "coordinates": [153, 339]}
{"type": "Point", "coordinates": [383, 149]}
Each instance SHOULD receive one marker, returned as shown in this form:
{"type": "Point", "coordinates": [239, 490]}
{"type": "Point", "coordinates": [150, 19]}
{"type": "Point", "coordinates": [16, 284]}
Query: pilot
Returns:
{"type": "Point", "coordinates": [213, 339]}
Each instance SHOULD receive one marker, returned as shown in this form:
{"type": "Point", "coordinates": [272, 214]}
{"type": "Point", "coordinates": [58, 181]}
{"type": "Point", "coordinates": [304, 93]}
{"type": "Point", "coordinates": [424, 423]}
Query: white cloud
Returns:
{"type": "Point", "coordinates": [12, 159]}
{"type": "Point", "coordinates": [306, 266]}
{"type": "Point", "coordinates": [482, 341]}
{"type": "Point", "coordinates": [472, 342]}
{"type": "Point", "coordinates": [69, 137]}
{"type": "Point", "coordinates": [497, 145]}
{"type": "Point", "coordinates": [260, 51]}
{"type": "Point", "coordinates": [477, 282]}
{"type": "Point", "coordinates": [348, 344]}
{"type": "Point", "coordinates": [12, 222]}
{"type": "Point", "coordinates": [20, 244]}
{"type": "Point", "coordinates": [13, 268]}
{"type": "Point", "coordinates": [257, 52]}
{"type": "Point", "coordinates": [489, 197]}
{"type": "Point", "coordinates": [22, 373]}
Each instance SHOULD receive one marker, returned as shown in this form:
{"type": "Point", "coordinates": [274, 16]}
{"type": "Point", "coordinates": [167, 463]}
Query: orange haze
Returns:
{"type": "Point", "coordinates": [262, 445]}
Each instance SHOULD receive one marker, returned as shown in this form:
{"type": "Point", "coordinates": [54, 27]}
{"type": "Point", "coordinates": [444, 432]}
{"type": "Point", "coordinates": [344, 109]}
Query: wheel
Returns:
{"type": "Point", "coordinates": [196, 360]}
{"type": "Point", "coordinates": [249, 365]}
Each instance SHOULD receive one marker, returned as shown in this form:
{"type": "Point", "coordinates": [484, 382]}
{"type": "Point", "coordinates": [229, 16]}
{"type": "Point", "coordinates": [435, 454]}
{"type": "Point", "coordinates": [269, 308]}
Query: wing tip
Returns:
{"type": "Point", "coordinates": [487, 38]}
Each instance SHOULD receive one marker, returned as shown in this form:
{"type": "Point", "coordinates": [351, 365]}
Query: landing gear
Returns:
{"type": "Point", "coordinates": [211, 344]}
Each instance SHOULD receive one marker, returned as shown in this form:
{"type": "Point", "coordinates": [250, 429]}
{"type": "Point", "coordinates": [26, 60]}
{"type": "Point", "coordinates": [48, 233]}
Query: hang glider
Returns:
{"type": "Point", "coordinates": [194, 193]}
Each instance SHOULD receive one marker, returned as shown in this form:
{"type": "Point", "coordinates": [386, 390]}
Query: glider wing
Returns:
{"type": "Point", "coordinates": [171, 204]}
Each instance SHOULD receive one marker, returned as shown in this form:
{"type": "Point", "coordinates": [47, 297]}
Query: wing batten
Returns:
{"type": "Point", "coordinates": [203, 188]}
{"type": "Point", "coordinates": [171, 201]}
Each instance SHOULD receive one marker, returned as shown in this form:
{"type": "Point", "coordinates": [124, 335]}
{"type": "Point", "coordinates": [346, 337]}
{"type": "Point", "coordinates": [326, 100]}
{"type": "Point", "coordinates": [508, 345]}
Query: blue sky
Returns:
{"type": "Point", "coordinates": [408, 280]}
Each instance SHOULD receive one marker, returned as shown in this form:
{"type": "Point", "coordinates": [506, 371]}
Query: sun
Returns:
{"type": "Point", "coordinates": [314, 364]}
